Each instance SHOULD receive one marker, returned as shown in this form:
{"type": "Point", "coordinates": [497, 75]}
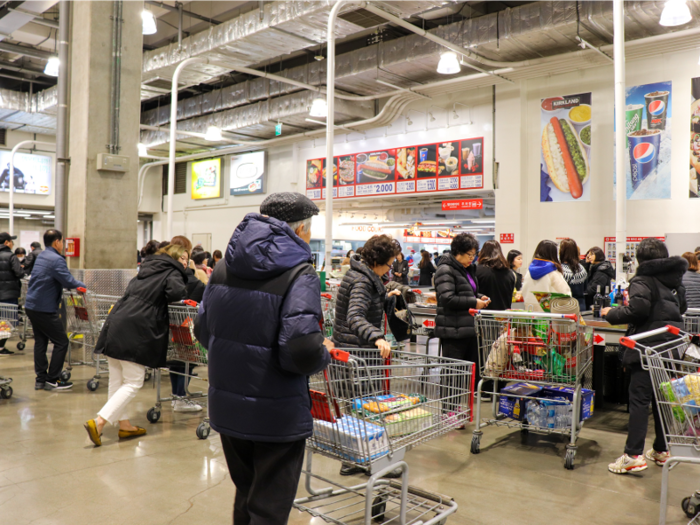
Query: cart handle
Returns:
{"type": "Point", "coordinates": [190, 302]}
{"type": "Point", "coordinates": [630, 341]}
{"type": "Point", "coordinates": [417, 291]}
{"type": "Point", "coordinates": [692, 311]}
{"type": "Point", "coordinates": [508, 313]}
{"type": "Point", "coordinates": [340, 355]}
{"type": "Point", "coordinates": [327, 296]}
{"type": "Point", "coordinates": [80, 289]}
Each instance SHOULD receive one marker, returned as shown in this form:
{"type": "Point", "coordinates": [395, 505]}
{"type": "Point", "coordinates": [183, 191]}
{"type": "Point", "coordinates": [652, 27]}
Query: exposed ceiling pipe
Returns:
{"type": "Point", "coordinates": [188, 13]}
{"type": "Point", "coordinates": [38, 19]}
{"type": "Point", "coordinates": [25, 79]}
{"type": "Point", "coordinates": [26, 51]}
{"type": "Point", "coordinates": [20, 68]}
{"type": "Point", "coordinates": [166, 129]}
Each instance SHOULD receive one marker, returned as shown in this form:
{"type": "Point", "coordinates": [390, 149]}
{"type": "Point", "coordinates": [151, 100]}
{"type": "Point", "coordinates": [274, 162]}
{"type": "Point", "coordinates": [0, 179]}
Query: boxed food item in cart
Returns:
{"type": "Point", "coordinates": [515, 407]}
{"type": "Point", "coordinates": [683, 392]}
{"type": "Point", "coordinates": [567, 392]}
{"type": "Point", "coordinates": [408, 422]}
{"type": "Point", "coordinates": [385, 403]}
{"type": "Point", "coordinates": [354, 439]}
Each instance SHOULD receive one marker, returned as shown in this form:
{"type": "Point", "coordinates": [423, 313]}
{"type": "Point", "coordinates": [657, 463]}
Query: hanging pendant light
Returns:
{"type": "Point", "coordinates": [52, 65]}
{"type": "Point", "coordinates": [675, 13]}
{"type": "Point", "coordinates": [319, 108]}
{"type": "Point", "coordinates": [149, 23]}
{"type": "Point", "coordinates": [213, 134]}
{"type": "Point", "coordinates": [143, 149]}
{"type": "Point", "coordinates": [449, 64]}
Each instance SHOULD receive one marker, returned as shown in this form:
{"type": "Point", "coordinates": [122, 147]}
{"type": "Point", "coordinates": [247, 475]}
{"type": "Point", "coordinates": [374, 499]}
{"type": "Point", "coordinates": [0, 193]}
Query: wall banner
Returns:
{"type": "Point", "coordinates": [694, 137]}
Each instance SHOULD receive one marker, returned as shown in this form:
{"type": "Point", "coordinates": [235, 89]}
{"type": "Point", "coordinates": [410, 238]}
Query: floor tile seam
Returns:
{"type": "Point", "coordinates": [191, 498]}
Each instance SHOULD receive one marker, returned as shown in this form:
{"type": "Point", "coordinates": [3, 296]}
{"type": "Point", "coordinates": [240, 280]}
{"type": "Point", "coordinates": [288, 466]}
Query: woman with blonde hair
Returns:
{"type": "Point", "coordinates": [135, 336]}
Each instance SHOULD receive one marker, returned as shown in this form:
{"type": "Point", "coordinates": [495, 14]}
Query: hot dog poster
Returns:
{"type": "Point", "coordinates": [694, 137]}
{"type": "Point", "coordinates": [648, 146]}
{"type": "Point", "coordinates": [565, 162]}
{"type": "Point", "coordinates": [424, 168]}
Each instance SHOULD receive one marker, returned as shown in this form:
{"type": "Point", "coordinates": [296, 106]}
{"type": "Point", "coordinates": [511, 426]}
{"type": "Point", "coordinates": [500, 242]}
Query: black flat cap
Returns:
{"type": "Point", "coordinates": [288, 206]}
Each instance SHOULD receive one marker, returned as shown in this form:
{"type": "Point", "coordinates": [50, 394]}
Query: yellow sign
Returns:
{"type": "Point", "coordinates": [206, 179]}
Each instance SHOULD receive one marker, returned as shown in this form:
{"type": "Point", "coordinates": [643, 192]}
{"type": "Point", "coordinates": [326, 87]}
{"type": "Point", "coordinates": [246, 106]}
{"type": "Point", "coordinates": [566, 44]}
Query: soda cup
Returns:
{"type": "Point", "coordinates": [633, 118]}
{"type": "Point", "coordinates": [644, 153]}
{"type": "Point", "coordinates": [657, 106]}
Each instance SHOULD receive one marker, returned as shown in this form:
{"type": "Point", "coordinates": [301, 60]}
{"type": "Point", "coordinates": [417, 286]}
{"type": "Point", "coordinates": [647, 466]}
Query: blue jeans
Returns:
{"type": "Point", "coordinates": [178, 381]}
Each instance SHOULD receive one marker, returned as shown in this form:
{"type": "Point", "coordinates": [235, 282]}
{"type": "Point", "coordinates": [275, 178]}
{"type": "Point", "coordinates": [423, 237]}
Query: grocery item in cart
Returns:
{"type": "Point", "coordinates": [359, 440]}
{"type": "Point", "coordinates": [380, 404]}
{"type": "Point", "coordinates": [567, 393]}
{"type": "Point", "coordinates": [683, 392]}
{"type": "Point", "coordinates": [5, 330]}
{"type": "Point", "coordinates": [408, 421]}
{"type": "Point", "coordinates": [516, 407]}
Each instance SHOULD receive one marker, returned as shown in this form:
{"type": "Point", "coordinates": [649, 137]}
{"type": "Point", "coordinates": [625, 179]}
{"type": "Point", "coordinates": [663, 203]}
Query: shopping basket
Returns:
{"type": "Point", "coordinates": [675, 377]}
{"type": "Point", "coordinates": [368, 412]}
{"type": "Point", "coordinates": [8, 327]}
{"type": "Point", "coordinates": [550, 353]}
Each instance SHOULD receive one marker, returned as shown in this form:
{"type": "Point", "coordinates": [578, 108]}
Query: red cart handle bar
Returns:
{"type": "Point", "coordinates": [327, 296]}
{"type": "Point", "coordinates": [340, 355]}
{"type": "Point", "coordinates": [80, 289]}
{"type": "Point", "coordinates": [630, 342]}
{"type": "Point", "coordinates": [190, 302]}
{"type": "Point", "coordinates": [522, 313]}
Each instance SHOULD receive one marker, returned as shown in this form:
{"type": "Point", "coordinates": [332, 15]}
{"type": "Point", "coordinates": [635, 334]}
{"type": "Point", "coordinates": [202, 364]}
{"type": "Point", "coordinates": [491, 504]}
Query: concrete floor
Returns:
{"type": "Point", "coordinates": [51, 474]}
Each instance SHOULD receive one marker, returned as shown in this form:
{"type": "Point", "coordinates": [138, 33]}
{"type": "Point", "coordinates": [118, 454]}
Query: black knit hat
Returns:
{"type": "Point", "coordinates": [288, 206]}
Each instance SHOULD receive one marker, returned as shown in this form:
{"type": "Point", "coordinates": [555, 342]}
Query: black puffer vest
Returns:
{"type": "Point", "coordinates": [10, 274]}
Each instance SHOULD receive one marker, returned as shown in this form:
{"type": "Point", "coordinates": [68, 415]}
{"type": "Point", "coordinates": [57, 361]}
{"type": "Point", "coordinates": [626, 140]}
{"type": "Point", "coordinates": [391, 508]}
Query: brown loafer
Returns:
{"type": "Point", "coordinates": [127, 434]}
{"type": "Point", "coordinates": [95, 436]}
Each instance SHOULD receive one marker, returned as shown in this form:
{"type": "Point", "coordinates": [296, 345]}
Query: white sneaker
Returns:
{"type": "Point", "coordinates": [626, 464]}
{"type": "Point", "coordinates": [186, 405]}
{"type": "Point", "coordinates": [657, 457]}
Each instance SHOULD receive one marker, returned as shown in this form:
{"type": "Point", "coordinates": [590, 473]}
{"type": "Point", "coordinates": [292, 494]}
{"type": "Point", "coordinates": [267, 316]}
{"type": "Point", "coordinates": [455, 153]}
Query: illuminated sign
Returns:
{"type": "Point", "coordinates": [206, 179]}
{"type": "Point", "coordinates": [32, 173]}
{"type": "Point", "coordinates": [248, 173]}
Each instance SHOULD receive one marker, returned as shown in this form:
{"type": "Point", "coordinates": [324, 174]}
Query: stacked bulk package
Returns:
{"type": "Point", "coordinates": [360, 441]}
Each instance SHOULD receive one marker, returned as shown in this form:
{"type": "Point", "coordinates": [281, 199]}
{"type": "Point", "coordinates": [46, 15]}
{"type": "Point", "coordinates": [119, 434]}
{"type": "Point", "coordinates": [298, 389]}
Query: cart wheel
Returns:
{"type": "Point", "coordinates": [6, 393]}
{"type": "Point", "coordinates": [92, 385]}
{"type": "Point", "coordinates": [691, 505]}
{"type": "Point", "coordinates": [147, 377]}
{"type": "Point", "coordinates": [153, 415]}
{"type": "Point", "coordinates": [65, 375]}
{"type": "Point", "coordinates": [476, 439]}
{"type": "Point", "coordinates": [378, 508]}
{"type": "Point", "coordinates": [21, 346]}
{"type": "Point", "coordinates": [203, 431]}
{"type": "Point", "coordinates": [569, 461]}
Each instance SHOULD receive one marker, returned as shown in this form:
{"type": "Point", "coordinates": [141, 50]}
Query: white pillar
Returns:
{"type": "Point", "coordinates": [621, 156]}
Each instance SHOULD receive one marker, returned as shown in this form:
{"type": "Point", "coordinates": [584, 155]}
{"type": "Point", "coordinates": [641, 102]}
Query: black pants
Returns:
{"type": "Point", "coordinates": [464, 350]}
{"type": "Point", "coordinates": [48, 327]}
{"type": "Point", "coordinates": [641, 395]}
{"type": "Point", "coordinates": [266, 476]}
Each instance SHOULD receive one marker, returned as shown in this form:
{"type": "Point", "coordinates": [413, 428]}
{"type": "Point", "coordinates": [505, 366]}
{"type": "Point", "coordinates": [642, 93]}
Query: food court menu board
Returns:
{"type": "Point", "coordinates": [630, 247]}
{"type": "Point", "coordinates": [425, 168]}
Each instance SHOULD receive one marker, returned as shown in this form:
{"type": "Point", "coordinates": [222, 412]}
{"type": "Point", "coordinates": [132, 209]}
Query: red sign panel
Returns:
{"type": "Point", "coordinates": [429, 323]}
{"type": "Point", "coordinates": [507, 238]}
{"type": "Point", "coordinates": [463, 204]}
{"type": "Point", "coordinates": [72, 247]}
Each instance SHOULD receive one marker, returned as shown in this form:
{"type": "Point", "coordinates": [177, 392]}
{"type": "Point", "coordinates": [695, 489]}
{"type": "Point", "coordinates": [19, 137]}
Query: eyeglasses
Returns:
{"type": "Point", "coordinates": [471, 255]}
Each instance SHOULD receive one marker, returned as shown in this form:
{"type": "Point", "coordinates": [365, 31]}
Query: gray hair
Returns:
{"type": "Point", "coordinates": [305, 222]}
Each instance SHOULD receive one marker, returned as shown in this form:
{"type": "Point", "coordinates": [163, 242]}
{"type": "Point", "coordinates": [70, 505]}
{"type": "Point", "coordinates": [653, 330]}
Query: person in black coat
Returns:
{"type": "Point", "coordinates": [457, 290]}
{"type": "Point", "coordinates": [600, 273]}
{"type": "Point", "coordinates": [135, 336]}
{"type": "Point", "coordinates": [10, 274]}
{"type": "Point", "coordinates": [515, 262]}
{"type": "Point", "coordinates": [496, 281]}
{"type": "Point", "coordinates": [656, 299]}
{"type": "Point", "coordinates": [29, 260]}
{"type": "Point", "coordinates": [399, 270]}
{"type": "Point", "coordinates": [427, 270]}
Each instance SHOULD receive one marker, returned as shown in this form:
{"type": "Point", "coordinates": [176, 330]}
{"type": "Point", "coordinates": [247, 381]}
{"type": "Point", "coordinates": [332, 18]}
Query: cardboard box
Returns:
{"type": "Point", "coordinates": [566, 392]}
{"type": "Point", "coordinates": [516, 407]}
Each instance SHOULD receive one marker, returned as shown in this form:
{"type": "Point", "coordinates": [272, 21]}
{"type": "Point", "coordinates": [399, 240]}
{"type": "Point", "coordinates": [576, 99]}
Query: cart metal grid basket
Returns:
{"type": "Point", "coordinates": [368, 412]}
{"type": "Point", "coordinates": [27, 331]}
{"type": "Point", "coordinates": [538, 348]}
{"type": "Point", "coordinates": [328, 309]}
{"type": "Point", "coordinates": [691, 320]}
{"type": "Point", "coordinates": [9, 318]}
{"type": "Point", "coordinates": [675, 377]}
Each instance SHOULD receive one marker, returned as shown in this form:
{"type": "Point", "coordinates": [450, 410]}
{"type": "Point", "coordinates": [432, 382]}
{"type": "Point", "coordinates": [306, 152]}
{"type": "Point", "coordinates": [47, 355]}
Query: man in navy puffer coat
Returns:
{"type": "Point", "coordinates": [260, 320]}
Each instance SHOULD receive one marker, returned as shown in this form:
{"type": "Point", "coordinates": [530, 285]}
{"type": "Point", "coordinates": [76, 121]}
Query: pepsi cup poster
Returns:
{"type": "Point", "coordinates": [565, 163]}
{"type": "Point", "coordinates": [648, 144]}
{"type": "Point", "coordinates": [694, 137]}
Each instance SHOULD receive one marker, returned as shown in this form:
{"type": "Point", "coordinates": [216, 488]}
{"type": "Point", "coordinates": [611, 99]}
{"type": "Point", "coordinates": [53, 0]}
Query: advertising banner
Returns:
{"type": "Point", "coordinates": [206, 179]}
{"type": "Point", "coordinates": [648, 130]}
{"type": "Point", "coordinates": [426, 168]}
{"type": "Point", "coordinates": [248, 173]}
{"type": "Point", "coordinates": [565, 162]}
{"type": "Point", "coordinates": [32, 173]}
{"type": "Point", "coordinates": [694, 137]}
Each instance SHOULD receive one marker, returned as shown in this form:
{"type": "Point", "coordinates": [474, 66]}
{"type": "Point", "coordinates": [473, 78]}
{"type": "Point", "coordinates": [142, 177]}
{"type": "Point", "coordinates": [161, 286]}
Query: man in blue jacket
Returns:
{"type": "Point", "coordinates": [50, 275]}
{"type": "Point", "coordinates": [260, 320]}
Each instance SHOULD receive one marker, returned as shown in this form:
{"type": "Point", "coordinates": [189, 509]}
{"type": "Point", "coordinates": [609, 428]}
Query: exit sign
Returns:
{"type": "Point", "coordinates": [507, 238]}
{"type": "Point", "coordinates": [463, 204]}
{"type": "Point", "coordinates": [278, 129]}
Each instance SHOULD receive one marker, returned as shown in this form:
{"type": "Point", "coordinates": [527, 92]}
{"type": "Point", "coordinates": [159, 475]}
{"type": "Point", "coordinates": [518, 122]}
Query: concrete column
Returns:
{"type": "Point", "coordinates": [102, 206]}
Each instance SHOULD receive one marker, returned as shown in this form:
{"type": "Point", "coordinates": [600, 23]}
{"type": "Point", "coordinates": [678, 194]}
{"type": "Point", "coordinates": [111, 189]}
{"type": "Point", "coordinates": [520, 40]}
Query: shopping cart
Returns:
{"type": "Point", "coordinates": [544, 350]}
{"type": "Point", "coordinates": [86, 313]}
{"type": "Point", "coordinates": [676, 380]}
{"type": "Point", "coordinates": [328, 308]}
{"type": "Point", "coordinates": [691, 320]}
{"type": "Point", "coordinates": [27, 330]}
{"type": "Point", "coordinates": [8, 327]}
{"type": "Point", "coordinates": [368, 412]}
{"type": "Point", "coordinates": [183, 348]}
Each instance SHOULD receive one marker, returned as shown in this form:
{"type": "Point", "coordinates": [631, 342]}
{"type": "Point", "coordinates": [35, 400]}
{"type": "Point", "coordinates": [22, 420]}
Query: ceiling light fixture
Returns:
{"type": "Point", "coordinates": [213, 134]}
{"type": "Point", "coordinates": [52, 66]}
{"type": "Point", "coordinates": [143, 149]}
{"type": "Point", "coordinates": [319, 108]}
{"type": "Point", "coordinates": [148, 20]}
{"type": "Point", "coordinates": [675, 13]}
{"type": "Point", "coordinates": [448, 65]}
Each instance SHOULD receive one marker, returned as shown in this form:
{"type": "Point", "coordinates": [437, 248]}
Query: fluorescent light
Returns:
{"type": "Point", "coordinates": [319, 108]}
{"type": "Point", "coordinates": [448, 65]}
{"type": "Point", "coordinates": [483, 221]}
{"type": "Point", "coordinates": [52, 65]}
{"type": "Point", "coordinates": [143, 150]}
{"type": "Point", "coordinates": [675, 13]}
{"type": "Point", "coordinates": [149, 23]}
{"type": "Point", "coordinates": [49, 217]}
{"type": "Point", "coordinates": [213, 134]}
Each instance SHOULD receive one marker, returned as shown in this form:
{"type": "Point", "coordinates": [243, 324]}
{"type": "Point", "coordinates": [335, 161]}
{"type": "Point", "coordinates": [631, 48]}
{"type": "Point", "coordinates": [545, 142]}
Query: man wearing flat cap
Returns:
{"type": "Point", "coordinates": [260, 320]}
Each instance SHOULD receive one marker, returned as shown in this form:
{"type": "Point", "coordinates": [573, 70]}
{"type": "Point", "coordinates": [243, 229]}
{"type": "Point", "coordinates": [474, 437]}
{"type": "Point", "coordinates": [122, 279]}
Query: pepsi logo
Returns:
{"type": "Point", "coordinates": [644, 152]}
{"type": "Point", "coordinates": [657, 107]}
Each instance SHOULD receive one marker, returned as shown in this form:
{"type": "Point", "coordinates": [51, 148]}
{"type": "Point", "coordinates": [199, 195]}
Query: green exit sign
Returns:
{"type": "Point", "coordinates": [278, 129]}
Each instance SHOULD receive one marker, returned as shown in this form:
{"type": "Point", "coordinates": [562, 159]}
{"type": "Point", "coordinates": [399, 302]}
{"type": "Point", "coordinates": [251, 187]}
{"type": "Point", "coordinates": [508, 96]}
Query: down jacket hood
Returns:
{"type": "Point", "coordinates": [539, 268]}
{"type": "Point", "coordinates": [668, 271]}
{"type": "Point", "coordinates": [606, 268]}
{"type": "Point", "coordinates": [262, 247]}
{"type": "Point", "coordinates": [156, 264]}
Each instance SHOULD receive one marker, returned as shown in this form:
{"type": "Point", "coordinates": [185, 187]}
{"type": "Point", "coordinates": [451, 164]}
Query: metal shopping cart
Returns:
{"type": "Point", "coordinates": [86, 313]}
{"type": "Point", "coordinates": [676, 380]}
{"type": "Point", "coordinates": [368, 412]}
{"type": "Point", "coordinates": [328, 308]}
{"type": "Point", "coordinates": [24, 321]}
{"type": "Point", "coordinates": [183, 348]}
{"type": "Point", "coordinates": [691, 320]}
{"type": "Point", "coordinates": [8, 327]}
{"type": "Point", "coordinates": [551, 351]}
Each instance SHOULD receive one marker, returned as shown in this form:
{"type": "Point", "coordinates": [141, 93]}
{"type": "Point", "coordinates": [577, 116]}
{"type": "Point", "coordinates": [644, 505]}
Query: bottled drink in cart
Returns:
{"type": "Point", "coordinates": [607, 297]}
{"type": "Point", "coordinates": [598, 301]}
{"type": "Point", "coordinates": [619, 296]}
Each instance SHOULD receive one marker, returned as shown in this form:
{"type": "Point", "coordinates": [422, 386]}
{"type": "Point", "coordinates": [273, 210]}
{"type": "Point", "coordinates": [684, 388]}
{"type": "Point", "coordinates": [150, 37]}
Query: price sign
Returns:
{"type": "Point", "coordinates": [406, 186]}
{"type": "Point", "coordinates": [448, 183]}
{"type": "Point", "coordinates": [427, 185]}
{"type": "Point", "coordinates": [383, 188]}
{"type": "Point", "coordinates": [507, 238]}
